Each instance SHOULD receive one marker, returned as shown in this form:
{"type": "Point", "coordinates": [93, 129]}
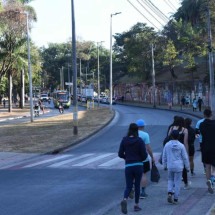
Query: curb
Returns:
{"type": "Point", "coordinates": [59, 150]}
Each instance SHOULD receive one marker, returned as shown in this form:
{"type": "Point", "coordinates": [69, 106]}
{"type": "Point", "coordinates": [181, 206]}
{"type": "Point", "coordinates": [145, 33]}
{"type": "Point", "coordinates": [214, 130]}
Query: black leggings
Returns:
{"type": "Point", "coordinates": [184, 176]}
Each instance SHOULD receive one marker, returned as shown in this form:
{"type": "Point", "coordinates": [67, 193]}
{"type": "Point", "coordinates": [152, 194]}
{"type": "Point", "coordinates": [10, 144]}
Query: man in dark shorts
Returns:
{"type": "Point", "coordinates": [207, 128]}
{"type": "Point", "coordinates": [146, 164]}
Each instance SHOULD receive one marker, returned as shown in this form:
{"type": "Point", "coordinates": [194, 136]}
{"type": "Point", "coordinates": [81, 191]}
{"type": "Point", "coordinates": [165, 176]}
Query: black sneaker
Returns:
{"type": "Point", "coordinates": [137, 208]}
{"type": "Point", "coordinates": [169, 199]}
{"type": "Point", "coordinates": [124, 207]}
{"type": "Point", "coordinates": [175, 202]}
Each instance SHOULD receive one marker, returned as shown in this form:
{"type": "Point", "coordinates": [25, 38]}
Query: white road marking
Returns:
{"type": "Point", "coordinates": [70, 160]}
{"type": "Point", "coordinates": [46, 161]}
{"type": "Point", "coordinates": [91, 160]}
{"type": "Point", "coordinates": [112, 162]}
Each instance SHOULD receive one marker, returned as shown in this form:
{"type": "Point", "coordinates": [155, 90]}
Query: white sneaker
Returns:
{"type": "Point", "coordinates": [210, 188]}
{"type": "Point", "coordinates": [187, 186]}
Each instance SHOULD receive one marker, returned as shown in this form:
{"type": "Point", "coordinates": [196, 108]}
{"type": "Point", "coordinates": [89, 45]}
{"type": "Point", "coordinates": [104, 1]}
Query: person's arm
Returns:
{"type": "Point", "coordinates": [149, 151]}
{"type": "Point", "coordinates": [164, 158]}
{"type": "Point", "coordinates": [186, 139]}
{"type": "Point", "coordinates": [121, 152]}
{"type": "Point", "coordinates": [143, 150]}
{"type": "Point", "coordinates": [185, 158]}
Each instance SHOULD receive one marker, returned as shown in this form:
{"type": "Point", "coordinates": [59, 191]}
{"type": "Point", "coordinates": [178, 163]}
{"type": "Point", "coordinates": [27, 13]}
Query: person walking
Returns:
{"type": "Point", "coordinates": [146, 163]}
{"type": "Point", "coordinates": [207, 111]}
{"type": "Point", "coordinates": [195, 104]}
{"type": "Point", "coordinates": [191, 139]}
{"type": "Point", "coordinates": [207, 128]}
{"type": "Point", "coordinates": [183, 100]}
{"type": "Point", "coordinates": [200, 103]}
{"type": "Point", "coordinates": [183, 138]}
{"type": "Point", "coordinates": [4, 102]}
{"type": "Point", "coordinates": [174, 160]}
{"type": "Point", "coordinates": [132, 149]}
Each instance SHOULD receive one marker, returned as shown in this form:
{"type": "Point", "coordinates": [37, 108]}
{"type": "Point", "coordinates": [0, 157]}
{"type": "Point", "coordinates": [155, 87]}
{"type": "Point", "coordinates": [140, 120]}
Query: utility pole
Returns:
{"type": "Point", "coordinates": [153, 76]}
{"type": "Point", "coordinates": [211, 64]}
{"type": "Point", "coordinates": [75, 106]}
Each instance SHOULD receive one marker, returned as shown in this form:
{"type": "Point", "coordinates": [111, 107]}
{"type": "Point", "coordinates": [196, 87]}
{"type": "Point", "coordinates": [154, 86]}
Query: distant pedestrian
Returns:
{"type": "Point", "coordinates": [200, 103]}
{"type": "Point", "coordinates": [195, 102]}
{"type": "Point", "coordinates": [191, 139]}
{"type": "Point", "coordinates": [183, 100]}
{"type": "Point", "coordinates": [132, 149]}
{"type": "Point", "coordinates": [174, 160]}
{"type": "Point", "coordinates": [4, 102]}
{"type": "Point", "coordinates": [207, 128]}
{"type": "Point", "coordinates": [41, 106]}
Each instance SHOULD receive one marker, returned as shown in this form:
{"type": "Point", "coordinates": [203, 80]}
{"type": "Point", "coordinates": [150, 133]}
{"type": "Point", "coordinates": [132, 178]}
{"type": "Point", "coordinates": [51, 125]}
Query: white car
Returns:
{"type": "Point", "coordinates": [44, 97]}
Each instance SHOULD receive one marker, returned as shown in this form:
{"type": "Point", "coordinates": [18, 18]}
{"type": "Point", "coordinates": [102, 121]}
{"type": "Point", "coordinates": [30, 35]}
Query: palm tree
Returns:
{"type": "Point", "coordinates": [12, 37]}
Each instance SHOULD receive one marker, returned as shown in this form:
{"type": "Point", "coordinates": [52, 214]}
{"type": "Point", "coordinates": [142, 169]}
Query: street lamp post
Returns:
{"type": "Point", "coordinates": [153, 76]}
{"type": "Point", "coordinates": [74, 65]}
{"type": "Point", "coordinates": [98, 43]}
{"type": "Point", "coordinates": [29, 66]}
{"type": "Point", "coordinates": [111, 79]}
{"type": "Point", "coordinates": [211, 62]}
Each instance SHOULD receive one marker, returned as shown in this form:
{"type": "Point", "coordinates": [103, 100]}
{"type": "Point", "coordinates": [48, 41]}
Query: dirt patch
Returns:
{"type": "Point", "coordinates": [50, 134]}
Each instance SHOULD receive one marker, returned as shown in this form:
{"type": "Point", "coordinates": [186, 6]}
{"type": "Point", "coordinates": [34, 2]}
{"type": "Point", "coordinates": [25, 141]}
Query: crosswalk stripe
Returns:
{"type": "Point", "coordinates": [46, 161]}
{"type": "Point", "coordinates": [69, 160]}
{"type": "Point", "coordinates": [91, 160]}
{"type": "Point", "coordinates": [112, 162]}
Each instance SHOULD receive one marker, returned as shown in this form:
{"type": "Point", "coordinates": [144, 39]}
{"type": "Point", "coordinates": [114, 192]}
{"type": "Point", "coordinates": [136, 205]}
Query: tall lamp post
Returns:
{"type": "Point", "coordinates": [153, 76]}
{"type": "Point", "coordinates": [211, 62]}
{"type": "Point", "coordinates": [98, 46]}
{"type": "Point", "coordinates": [29, 66]}
{"type": "Point", "coordinates": [111, 78]}
{"type": "Point", "coordinates": [74, 65]}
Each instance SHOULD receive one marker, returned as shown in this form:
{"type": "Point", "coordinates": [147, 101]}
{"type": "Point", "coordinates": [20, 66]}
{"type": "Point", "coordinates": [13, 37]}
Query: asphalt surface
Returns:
{"type": "Point", "coordinates": [194, 201]}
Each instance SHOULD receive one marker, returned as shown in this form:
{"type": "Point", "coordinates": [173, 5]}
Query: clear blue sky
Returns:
{"type": "Point", "coordinates": [92, 18]}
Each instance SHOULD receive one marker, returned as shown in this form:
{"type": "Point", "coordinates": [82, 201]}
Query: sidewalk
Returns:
{"type": "Point", "coordinates": [16, 113]}
{"type": "Point", "coordinates": [195, 201]}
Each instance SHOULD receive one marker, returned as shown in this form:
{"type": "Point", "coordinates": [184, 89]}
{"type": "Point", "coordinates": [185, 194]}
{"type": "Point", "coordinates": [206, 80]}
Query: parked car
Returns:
{"type": "Point", "coordinates": [106, 100]}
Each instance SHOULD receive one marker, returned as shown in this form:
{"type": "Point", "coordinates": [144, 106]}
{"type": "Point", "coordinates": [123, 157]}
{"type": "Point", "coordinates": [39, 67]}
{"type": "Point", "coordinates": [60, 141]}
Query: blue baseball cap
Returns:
{"type": "Point", "coordinates": [140, 123]}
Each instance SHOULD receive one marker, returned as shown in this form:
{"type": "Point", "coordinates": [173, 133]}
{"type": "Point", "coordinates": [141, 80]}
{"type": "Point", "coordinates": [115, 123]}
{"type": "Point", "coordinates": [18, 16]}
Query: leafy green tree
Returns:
{"type": "Point", "coordinates": [12, 38]}
{"type": "Point", "coordinates": [133, 51]}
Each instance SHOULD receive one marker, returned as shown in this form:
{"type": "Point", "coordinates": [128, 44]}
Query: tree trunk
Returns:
{"type": "Point", "coordinates": [22, 91]}
{"type": "Point", "coordinates": [10, 102]}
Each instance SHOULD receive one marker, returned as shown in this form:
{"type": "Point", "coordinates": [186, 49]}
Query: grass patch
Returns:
{"type": "Point", "coordinates": [49, 134]}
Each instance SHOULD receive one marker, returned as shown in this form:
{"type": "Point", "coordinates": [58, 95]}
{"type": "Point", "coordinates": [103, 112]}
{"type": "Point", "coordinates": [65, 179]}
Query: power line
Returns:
{"type": "Point", "coordinates": [149, 12]}
{"type": "Point", "coordinates": [143, 15]}
{"type": "Point", "coordinates": [169, 4]}
{"type": "Point", "coordinates": [172, 4]}
{"type": "Point", "coordinates": [156, 11]}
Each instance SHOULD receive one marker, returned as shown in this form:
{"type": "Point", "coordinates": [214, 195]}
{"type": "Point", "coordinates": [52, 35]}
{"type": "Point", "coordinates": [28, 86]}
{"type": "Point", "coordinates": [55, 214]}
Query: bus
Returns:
{"type": "Point", "coordinates": [61, 96]}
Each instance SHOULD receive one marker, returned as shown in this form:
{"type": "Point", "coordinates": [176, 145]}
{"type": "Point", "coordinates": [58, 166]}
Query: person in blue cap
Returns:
{"type": "Point", "coordinates": [146, 164]}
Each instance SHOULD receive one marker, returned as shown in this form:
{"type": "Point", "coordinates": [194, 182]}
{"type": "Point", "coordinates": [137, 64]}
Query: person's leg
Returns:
{"type": "Point", "coordinates": [129, 182]}
{"type": "Point", "coordinates": [170, 186]}
{"type": "Point", "coordinates": [191, 159]}
{"type": "Point", "coordinates": [144, 181]}
{"type": "Point", "coordinates": [208, 177]}
{"type": "Point", "coordinates": [129, 176]}
{"type": "Point", "coordinates": [138, 175]}
{"type": "Point", "coordinates": [184, 176]}
{"type": "Point", "coordinates": [177, 183]}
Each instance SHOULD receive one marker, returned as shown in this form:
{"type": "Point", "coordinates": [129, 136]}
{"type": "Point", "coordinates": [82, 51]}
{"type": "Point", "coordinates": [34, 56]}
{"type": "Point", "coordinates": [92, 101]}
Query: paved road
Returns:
{"type": "Point", "coordinates": [91, 171]}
